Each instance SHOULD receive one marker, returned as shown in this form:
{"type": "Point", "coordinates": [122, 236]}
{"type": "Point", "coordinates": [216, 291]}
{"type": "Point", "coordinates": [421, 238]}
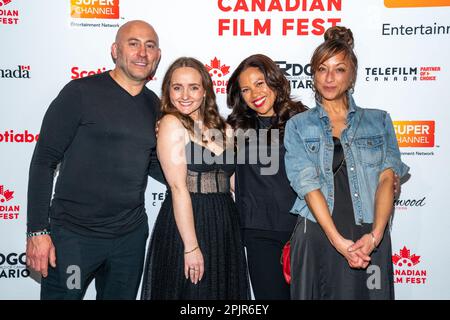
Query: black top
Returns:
{"type": "Point", "coordinates": [264, 201]}
{"type": "Point", "coordinates": [104, 140]}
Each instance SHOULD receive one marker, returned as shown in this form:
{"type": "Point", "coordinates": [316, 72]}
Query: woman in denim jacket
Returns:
{"type": "Point", "coordinates": [341, 160]}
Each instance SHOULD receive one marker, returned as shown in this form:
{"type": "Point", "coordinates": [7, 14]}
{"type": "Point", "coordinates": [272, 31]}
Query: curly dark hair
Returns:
{"type": "Point", "coordinates": [243, 117]}
{"type": "Point", "coordinates": [209, 111]}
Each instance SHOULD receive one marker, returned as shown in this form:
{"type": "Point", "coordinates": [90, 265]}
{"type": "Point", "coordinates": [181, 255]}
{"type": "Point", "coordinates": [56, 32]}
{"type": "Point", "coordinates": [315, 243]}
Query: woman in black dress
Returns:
{"type": "Point", "coordinates": [196, 250]}
{"type": "Point", "coordinates": [341, 160]}
{"type": "Point", "coordinates": [259, 96]}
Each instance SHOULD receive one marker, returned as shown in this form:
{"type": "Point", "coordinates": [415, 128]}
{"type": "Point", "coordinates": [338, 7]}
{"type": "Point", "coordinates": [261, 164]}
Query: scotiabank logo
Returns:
{"type": "Point", "coordinates": [21, 72]}
{"type": "Point", "coordinates": [8, 211]}
{"type": "Point", "coordinates": [419, 134]}
{"type": "Point", "coordinates": [77, 73]}
{"type": "Point", "coordinates": [94, 9]}
{"type": "Point", "coordinates": [416, 3]}
{"type": "Point", "coordinates": [298, 75]}
{"type": "Point", "coordinates": [13, 265]}
{"type": "Point", "coordinates": [217, 71]}
{"type": "Point", "coordinates": [405, 270]}
{"type": "Point", "coordinates": [8, 16]}
{"type": "Point", "coordinates": [12, 137]}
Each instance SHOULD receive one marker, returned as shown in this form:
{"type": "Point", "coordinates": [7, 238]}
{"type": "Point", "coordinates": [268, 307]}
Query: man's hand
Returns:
{"type": "Point", "coordinates": [41, 251]}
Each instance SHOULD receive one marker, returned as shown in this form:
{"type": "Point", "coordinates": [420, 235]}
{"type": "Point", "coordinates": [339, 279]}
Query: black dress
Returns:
{"type": "Point", "coordinates": [319, 271]}
{"type": "Point", "coordinates": [218, 234]}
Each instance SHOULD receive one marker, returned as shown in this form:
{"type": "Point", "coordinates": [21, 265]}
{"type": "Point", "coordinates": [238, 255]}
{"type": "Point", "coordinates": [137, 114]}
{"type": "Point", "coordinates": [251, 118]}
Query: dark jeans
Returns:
{"type": "Point", "coordinates": [263, 255]}
{"type": "Point", "coordinates": [115, 264]}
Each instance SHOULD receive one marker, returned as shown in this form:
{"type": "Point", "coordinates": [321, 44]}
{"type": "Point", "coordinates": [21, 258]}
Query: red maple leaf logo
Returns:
{"type": "Point", "coordinates": [216, 69]}
{"type": "Point", "coordinates": [405, 259]}
{"type": "Point", "coordinates": [4, 2]}
{"type": "Point", "coordinates": [6, 195]}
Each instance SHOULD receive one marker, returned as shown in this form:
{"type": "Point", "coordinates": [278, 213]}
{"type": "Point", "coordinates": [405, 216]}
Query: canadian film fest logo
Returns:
{"type": "Point", "coordinates": [18, 72]}
{"type": "Point", "coordinates": [402, 74]}
{"type": "Point", "coordinates": [94, 9]}
{"type": "Point", "coordinates": [8, 15]}
{"type": "Point", "coordinates": [8, 209]}
{"type": "Point", "coordinates": [218, 70]}
{"type": "Point", "coordinates": [407, 268]}
{"type": "Point", "coordinates": [298, 75]}
{"type": "Point", "coordinates": [430, 29]}
{"type": "Point", "coordinates": [242, 18]}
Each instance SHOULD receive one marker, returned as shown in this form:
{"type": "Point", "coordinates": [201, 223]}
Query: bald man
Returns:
{"type": "Point", "coordinates": [101, 130]}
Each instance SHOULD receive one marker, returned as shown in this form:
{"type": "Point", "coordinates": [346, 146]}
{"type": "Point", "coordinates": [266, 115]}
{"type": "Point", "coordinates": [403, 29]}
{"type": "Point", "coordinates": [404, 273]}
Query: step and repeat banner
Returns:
{"type": "Point", "coordinates": [402, 45]}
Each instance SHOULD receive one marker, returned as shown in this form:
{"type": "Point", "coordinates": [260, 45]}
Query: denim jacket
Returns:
{"type": "Point", "coordinates": [368, 152]}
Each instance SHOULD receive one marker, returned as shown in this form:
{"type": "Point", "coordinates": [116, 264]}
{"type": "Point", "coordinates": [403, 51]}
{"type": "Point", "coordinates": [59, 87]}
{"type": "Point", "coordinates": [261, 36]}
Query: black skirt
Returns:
{"type": "Point", "coordinates": [218, 233]}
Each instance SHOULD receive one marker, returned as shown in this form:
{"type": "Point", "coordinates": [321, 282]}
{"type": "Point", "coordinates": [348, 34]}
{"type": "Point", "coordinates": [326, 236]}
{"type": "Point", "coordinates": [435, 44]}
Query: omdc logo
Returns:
{"type": "Point", "coordinates": [8, 16]}
{"type": "Point", "coordinates": [298, 75]}
{"type": "Point", "coordinates": [11, 137]}
{"type": "Point", "coordinates": [416, 3]}
{"type": "Point", "coordinates": [405, 268]}
{"type": "Point", "coordinates": [21, 72]}
{"type": "Point", "coordinates": [418, 134]}
{"type": "Point", "coordinates": [77, 73]}
{"type": "Point", "coordinates": [13, 265]}
{"type": "Point", "coordinates": [217, 71]}
{"type": "Point", "coordinates": [94, 9]}
{"type": "Point", "coordinates": [7, 211]}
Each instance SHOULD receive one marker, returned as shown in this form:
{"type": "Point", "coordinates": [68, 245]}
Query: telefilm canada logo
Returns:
{"type": "Point", "coordinates": [298, 75]}
{"type": "Point", "coordinates": [13, 265]}
{"type": "Point", "coordinates": [19, 72]}
{"type": "Point", "coordinates": [406, 268]}
{"type": "Point", "coordinates": [8, 15]}
{"type": "Point", "coordinates": [218, 70]}
{"type": "Point", "coordinates": [402, 74]}
{"type": "Point", "coordinates": [8, 210]}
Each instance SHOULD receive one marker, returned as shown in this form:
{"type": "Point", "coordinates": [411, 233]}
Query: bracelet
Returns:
{"type": "Point", "coordinates": [373, 240]}
{"type": "Point", "coordinates": [37, 233]}
{"type": "Point", "coordinates": [186, 252]}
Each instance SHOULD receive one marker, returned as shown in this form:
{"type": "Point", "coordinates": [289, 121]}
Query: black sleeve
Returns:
{"type": "Point", "coordinates": [57, 132]}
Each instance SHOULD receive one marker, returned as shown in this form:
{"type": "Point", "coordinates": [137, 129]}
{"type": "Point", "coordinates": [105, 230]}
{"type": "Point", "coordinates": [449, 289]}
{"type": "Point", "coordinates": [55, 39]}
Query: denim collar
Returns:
{"type": "Point", "coordinates": [351, 108]}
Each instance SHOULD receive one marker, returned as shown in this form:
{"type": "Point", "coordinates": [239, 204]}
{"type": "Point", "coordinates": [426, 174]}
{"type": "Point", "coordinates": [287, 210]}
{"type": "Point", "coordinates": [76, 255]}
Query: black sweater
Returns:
{"type": "Point", "coordinates": [104, 140]}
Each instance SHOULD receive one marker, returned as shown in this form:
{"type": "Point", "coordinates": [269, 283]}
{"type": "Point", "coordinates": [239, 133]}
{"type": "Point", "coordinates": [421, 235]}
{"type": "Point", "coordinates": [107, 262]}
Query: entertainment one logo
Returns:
{"type": "Point", "coordinates": [94, 9]}
{"type": "Point", "coordinates": [298, 75]}
{"type": "Point", "coordinates": [218, 71]}
{"type": "Point", "coordinates": [8, 211]}
{"type": "Point", "coordinates": [13, 265]}
{"type": "Point", "coordinates": [405, 268]}
{"type": "Point", "coordinates": [21, 72]}
{"type": "Point", "coordinates": [8, 16]}
{"type": "Point", "coordinates": [402, 73]}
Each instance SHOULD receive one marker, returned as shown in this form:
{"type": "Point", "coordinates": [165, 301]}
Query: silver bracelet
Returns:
{"type": "Point", "coordinates": [37, 233]}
